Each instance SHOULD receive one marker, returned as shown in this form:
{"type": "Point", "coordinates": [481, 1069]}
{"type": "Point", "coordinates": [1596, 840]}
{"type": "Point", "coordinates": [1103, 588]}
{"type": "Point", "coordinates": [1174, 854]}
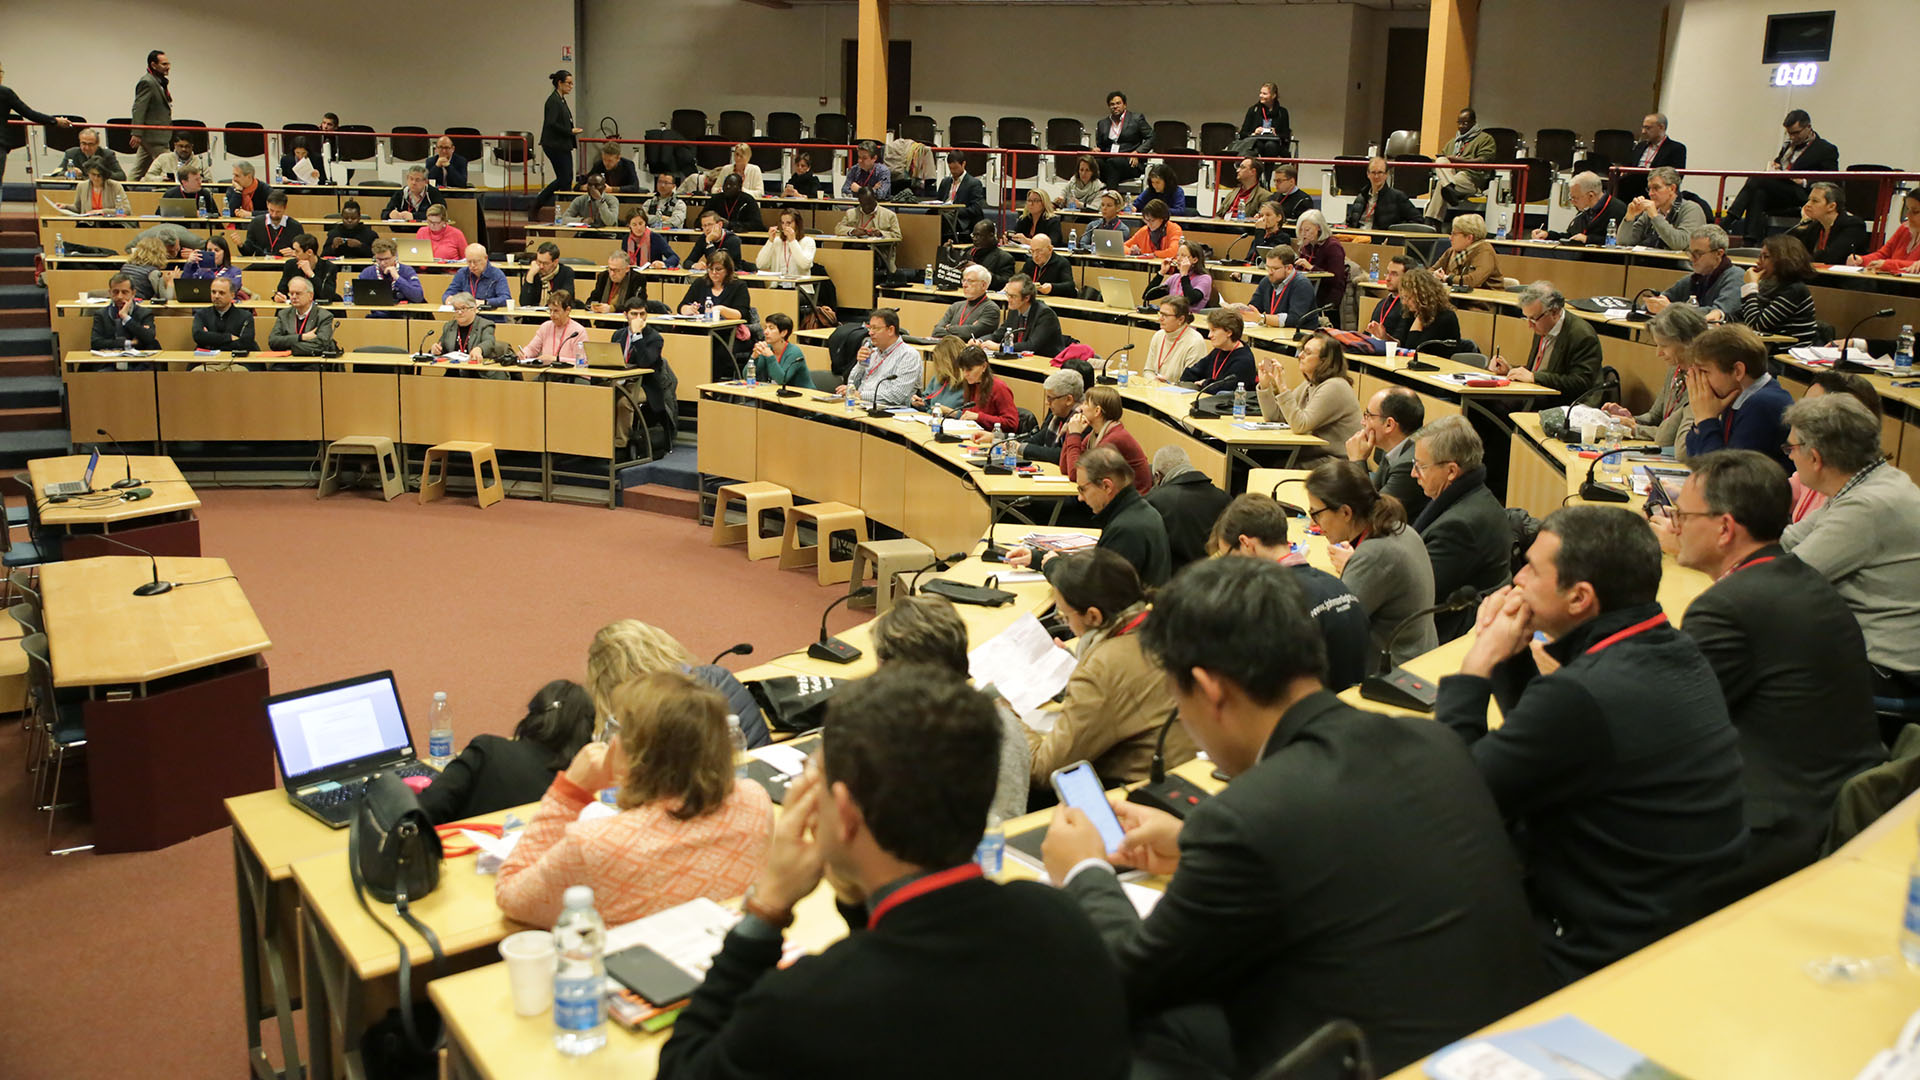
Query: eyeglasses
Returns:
{"type": "Point", "coordinates": [1535, 318]}
{"type": "Point", "coordinates": [1314, 515]}
{"type": "Point", "coordinates": [1417, 467]}
{"type": "Point", "coordinates": [1790, 446]}
{"type": "Point", "coordinates": [1370, 415]}
{"type": "Point", "coordinates": [1680, 516]}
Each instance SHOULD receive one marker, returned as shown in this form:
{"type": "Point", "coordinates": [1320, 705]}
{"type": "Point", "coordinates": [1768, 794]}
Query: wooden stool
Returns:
{"type": "Point", "coordinates": [828, 518]}
{"type": "Point", "coordinates": [486, 482]}
{"type": "Point", "coordinates": [379, 446]}
{"type": "Point", "coordinates": [888, 559]}
{"type": "Point", "coordinates": [761, 498]}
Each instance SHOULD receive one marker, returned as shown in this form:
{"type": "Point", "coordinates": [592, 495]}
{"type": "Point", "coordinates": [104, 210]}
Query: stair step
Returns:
{"type": "Point", "coordinates": [39, 417]}
{"type": "Point", "coordinates": [19, 447]}
{"type": "Point", "coordinates": [660, 499]}
{"type": "Point", "coordinates": [19, 238]}
{"type": "Point", "coordinates": [23, 318]}
{"type": "Point", "coordinates": [30, 391]}
{"type": "Point", "coordinates": [26, 342]}
{"type": "Point", "coordinates": [17, 275]}
{"type": "Point", "coordinates": [16, 297]}
{"type": "Point", "coordinates": [17, 258]}
{"type": "Point", "coordinates": [14, 366]}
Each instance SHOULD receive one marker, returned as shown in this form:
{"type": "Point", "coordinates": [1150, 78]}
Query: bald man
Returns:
{"type": "Point", "coordinates": [481, 279]}
{"type": "Point", "coordinates": [1052, 275]}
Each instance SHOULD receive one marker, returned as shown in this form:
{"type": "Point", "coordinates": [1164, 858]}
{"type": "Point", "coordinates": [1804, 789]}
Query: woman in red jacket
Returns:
{"type": "Point", "coordinates": [986, 400]}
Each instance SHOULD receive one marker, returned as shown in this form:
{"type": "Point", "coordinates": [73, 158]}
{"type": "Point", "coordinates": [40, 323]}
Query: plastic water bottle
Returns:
{"type": "Point", "coordinates": [929, 275]}
{"type": "Point", "coordinates": [997, 451]}
{"type": "Point", "coordinates": [992, 849]}
{"type": "Point", "coordinates": [735, 736]}
{"type": "Point", "coordinates": [1910, 917]}
{"type": "Point", "coordinates": [60, 244]}
{"type": "Point", "coordinates": [853, 398]}
{"type": "Point", "coordinates": [706, 309]}
{"type": "Point", "coordinates": [1613, 233]}
{"type": "Point", "coordinates": [579, 982]}
{"type": "Point", "coordinates": [1502, 234]}
{"type": "Point", "coordinates": [202, 208]}
{"type": "Point", "coordinates": [120, 206]}
{"type": "Point", "coordinates": [439, 731]}
{"type": "Point", "coordinates": [1120, 373]}
{"type": "Point", "coordinates": [1373, 266]}
{"type": "Point", "coordinates": [1903, 351]}
{"type": "Point", "coordinates": [753, 377]}
{"type": "Point", "coordinates": [938, 424]}
{"type": "Point", "coordinates": [1240, 401]}
{"type": "Point", "coordinates": [349, 293]}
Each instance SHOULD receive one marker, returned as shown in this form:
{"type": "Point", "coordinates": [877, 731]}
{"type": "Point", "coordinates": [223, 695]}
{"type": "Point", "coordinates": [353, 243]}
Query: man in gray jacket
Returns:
{"type": "Point", "coordinates": [1714, 284]}
{"type": "Point", "coordinates": [1384, 443]}
{"type": "Point", "coordinates": [973, 315]}
{"type": "Point", "coordinates": [1661, 218]}
{"type": "Point", "coordinates": [152, 105]}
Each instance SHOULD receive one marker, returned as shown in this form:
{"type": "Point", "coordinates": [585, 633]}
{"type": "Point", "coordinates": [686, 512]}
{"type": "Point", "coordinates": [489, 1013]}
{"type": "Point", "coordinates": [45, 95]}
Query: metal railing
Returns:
{"type": "Point", "coordinates": [1885, 183]}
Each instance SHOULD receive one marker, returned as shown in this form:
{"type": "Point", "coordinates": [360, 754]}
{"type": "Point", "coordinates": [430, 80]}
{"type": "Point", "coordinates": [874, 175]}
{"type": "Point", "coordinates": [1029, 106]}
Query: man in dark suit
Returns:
{"type": "Point", "coordinates": [1062, 392]}
{"type": "Point", "coordinates": [1052, 274]}
{"type": "Point", "coordinates": [1381, 205]}
{"type": "Point", "coordinates": [888, 815]}
{"type": "Point", "coordinates": [1121, 131]}
{"type": "Point", "coordinates": [1654, 148]}
{"type": "Point", "coordinates": [11, 136]}
{"type": "Point", "coordinates": [1463, 525]}
{"type": "Point", "coordinates": [1803, 151]}
{"type": "Point", "coordinates": [1129, 525]}
{"type": "Point", "coordinates": [225, 325]}
{"type": "Point", "coordinates": [1800, 699]}
{"type": "Point", "coordinates": [123, 323]}
{"type": "Point", "coordinates": [1384, 443]}
{"type": "Point", "coordinates": [1030, 326]}
{"type": "Point", "coordinates": [1565, 354]}
{"type": "Point", "coordinates": [1598, 210]}
{"type": "Point", "coordinates": [1189, 504]}
{"type": "Point", "coordinates": [968, 192]}
{"type": "Point", "coordinates": [152, 105]}
{"type": "Point", "coordinates": [1831, 235]}
{"type": "Point", "coordinates": [1615, 763]}
{"type": "Point", "coordinates": [1286, 191]}
{"type": "Point", "coordinates": [1268, 921]}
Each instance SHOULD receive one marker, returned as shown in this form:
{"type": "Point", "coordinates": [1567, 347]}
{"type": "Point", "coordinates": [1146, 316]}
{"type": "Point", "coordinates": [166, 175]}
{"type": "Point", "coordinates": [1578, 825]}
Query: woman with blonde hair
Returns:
{"type": "Point", "coordinates": [147, 265]}
{"type": "Point", "coordinates": [1469, 261]}
{"type": "Point", "coordinates": [627, 649]}
{"type": "Point", "coordinates": [1434, 318]}
{"type": "Point", "coordinates": [945, 385]}
{"type": "Point", "coordinates": [1038, 219]}
{"type": "Point", "coordinates": [686, 827]}
{"type": "Point", "coordinates": [742, 165]}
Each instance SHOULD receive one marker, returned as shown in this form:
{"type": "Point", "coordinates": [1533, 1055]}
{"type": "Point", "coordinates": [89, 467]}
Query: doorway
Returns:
{"type": "Point", "coordinates": [1404, 90]}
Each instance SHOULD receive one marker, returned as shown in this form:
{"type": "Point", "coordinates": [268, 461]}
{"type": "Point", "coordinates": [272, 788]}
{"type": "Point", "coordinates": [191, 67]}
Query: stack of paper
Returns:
{"type": "Point", "coordinates": [688, 936]}
{"type": "Point", "coordinates": [1826, 354]}
{"type": "Point", "coordinates": [1023, 664]}
{"type": "Point", "coordinates": [1060, 543]}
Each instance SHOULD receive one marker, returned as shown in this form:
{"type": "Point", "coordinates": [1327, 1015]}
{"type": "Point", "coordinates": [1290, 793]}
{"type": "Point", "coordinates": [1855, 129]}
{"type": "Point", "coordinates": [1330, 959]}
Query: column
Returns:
{"type": "Point", "coordinates": [871, 79]}
{"type": "Point", "coordinates": [1452, 28]}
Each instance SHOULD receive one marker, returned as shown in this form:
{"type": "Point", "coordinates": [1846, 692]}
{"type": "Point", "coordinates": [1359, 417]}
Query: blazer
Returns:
{"type": "Point", "coordinates": [1117, 436]}
{"type": "Point", "coordinates": [480, 339]}
{"type": "Point", "coordinates": [616, 297]}
{"type": "Point", "coordinates": [1110, 714]}
{"type": "Point", "coordinates": [1328, 409]}
{"type": "Point", "coordinates": [1393, 577]}
{"type": "Point", "coordinates": [1131, 528]}
{"type": "Point", "coordinates": [998, 262]}
{"type": "Point", "coordinates": [1189, 504]}
{"type": "Point", "coordinates": [1620, 774]}
{"type": "Point", "coordinates": [1393, 475]}
{"type": "Point", "coordinates": [110, 333]}
{"type": "Point", "coordinates": [1671, 154]}
{"type": "Point", "coordinates": [1057, 272]}
{"type": "Point", "coordinates": [1589, 226]}
{"type": "Point", "coordinates": [1468, 543]}
{"type": "Point", "coordinates": [1294, 203]}
{"type": "Point", "coordinates": [11, 106]}
{"type": "Point", "coordinates": [1271, 918]}
{"type": "Point", "coordinates": [912, 975]}
{"type": "Point", "coordinates": [453, 174]}
{"type": "Point", "coordinates": [1244, 201]}
{"type": "Point", "coordinates": [1049, 227]}
{"type": "Point", "coordinates": [741, 212]}
{"type": "Point", "coordinates": [534, 293]}
{"type": "Point", "coordinates": [285, 335]}
{"type": "Point", "coordinates": [236, 200]}
{"type": "Point", "coordinates": [1474, 266]}
{"type": "Point", "coordinates": [1043, 442]}
{"type": "Point", "coordinates": [1035, 330]}
{"type": "Point", "coordinates": [75, 160]}
{"type": "Point", "coordinates": [152, 105]}
{"type": "Point", "coordinates": [265, 239]}
{"type": "Point", "coordinates": [233, 330]}
{"type": "Point", "coordinates": [1135, 133]}
{"type": "Point", "coordinates": [623, 177]}
{"type": "Point", "coordinates": [971, 197]}
{"type": "Point", "coordinates": [492, 773]}
{"type": "Point", "coordinates": [968, 319]}
{"type": "Point", "coordinates": [1819, 156]}
{"type": "Point", "coordinates": [1831, 245]}
{"type": "Point", "coordinates": [556, 125]}
{"type": "Point", "coordinates": [997, 410]}
{"type": "Point", "coordinates": [324, 279]}
{"type": "Point", "coordinates": [1758, 424]}
{"type": "Point", "coordinates": [110, 195]}
{"type": "Point", "coordinates": [1802, 703]}
{"type": "Point", "coordinates": [1394, 209]}
{"type": "Point", "coordinates": [1572, 365]}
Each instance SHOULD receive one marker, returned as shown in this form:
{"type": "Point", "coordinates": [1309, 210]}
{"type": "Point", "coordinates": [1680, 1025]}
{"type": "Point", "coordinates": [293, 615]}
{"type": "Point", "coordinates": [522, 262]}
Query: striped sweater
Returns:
{"type": "Point", "coordinates": [1772, 307]}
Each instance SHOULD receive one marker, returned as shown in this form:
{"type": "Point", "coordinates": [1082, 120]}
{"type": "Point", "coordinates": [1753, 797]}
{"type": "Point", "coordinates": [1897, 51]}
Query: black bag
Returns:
{"type": "Point", "coordinates": [947, 270]}
{"type": "Point", "coordinates": [988, 595]}
{"type": "Point", "coordinates": [394, 853]}
{"type": "Point", "coordinates": [794, 703]}
{"type": "Point", "coordinates": [843, 346]}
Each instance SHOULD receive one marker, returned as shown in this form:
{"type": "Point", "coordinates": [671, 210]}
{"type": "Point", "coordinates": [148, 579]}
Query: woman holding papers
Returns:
{"type": "Point", "coordinates": [685, 828]}
{"type": "Point", "coordinates": [1116, 700]}
{"type": "Point", "coordinates": [97, 194]}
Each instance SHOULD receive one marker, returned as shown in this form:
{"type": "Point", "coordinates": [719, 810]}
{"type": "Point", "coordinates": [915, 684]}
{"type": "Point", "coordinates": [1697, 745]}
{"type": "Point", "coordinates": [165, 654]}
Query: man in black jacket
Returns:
{"type": "Point", "coordinates": [223, 326]}
{"type": "Point", "coordinates": [1614, 763]}
{"type": "Point", "coordinates": [1121, 131]}
{"type": "Point", "coordinates": [410, 202]}
{"type": "Point", "coordinates": [1803, 151]}
{"type": "Point", "coordinates": [1463, 525]}
{"type": "Point", "coordinates": [1061, 393]}
{"type": "Point", "coordinates": [1256, 526]}
{"type": "Point", "coordinates": [1655, 150]}
{"type": "Point", "coordinates": [322, 274]}
{"type": "Point", "coordinates": [273, 232]}
{"type": "Point", "coordinates": [888, 815]}
{"type": "Point", "coordinates": [1029, 326]}
{"type": "Point", "coordinates": [1269, 917]}
{"type": "Point", "coordinates": [713, 237]}
{"type": "Point", "coordinates": [1381, 205]}
{"type": "Point", "coordinates": [1801, 700]}
{"type": "Point", "coordinates": [966, 190]}
{"type": "Point", "coordinates": [123, 323]}
{"type": "Point", "coordinates": [1129, 525]}
{"type": "Point", "coordinates": [1286, 191]}
{"type": "Point", "coordinates": [1597, 211]}
{"type": "Point", "coordinates": [1188, 502]}
{"type": "Point", "coordinates": [11, 136]}
{"type": "Point", "coordinates": [1830, 234]}
{"type": "Point", "coordinates": [986, 251]}
{"type": "Point", "coordinates": [1384, 443]}
{"type": "Point", "coordinates": [1052, 274]}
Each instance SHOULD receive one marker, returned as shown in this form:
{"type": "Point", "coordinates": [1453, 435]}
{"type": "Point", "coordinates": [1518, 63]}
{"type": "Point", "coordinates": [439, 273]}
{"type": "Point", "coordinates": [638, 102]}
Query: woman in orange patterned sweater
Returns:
{"type": "Point", "coordinates": [686, 827]}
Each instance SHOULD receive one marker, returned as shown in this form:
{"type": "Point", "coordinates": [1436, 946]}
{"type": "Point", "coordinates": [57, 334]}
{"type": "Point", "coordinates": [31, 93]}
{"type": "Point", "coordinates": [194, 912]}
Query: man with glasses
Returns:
{"type": "Point", "coordinates": [1129, 526]}
{"type": "Point", "coordinates": [388, 267]}
{"type": "Point", "coordinates": [1463, 525]}
{"type": "Point", "coordinates": [1803, 151]}
{"type": "Point", "coordinates": [1565, 354]}
{"type": "Point", "coordinates": [1801, 702]}
{"type": "Point", "coordinates": [886, 371]}
{"type": "Point", "coordinates": [1384, 444]}
{"type": "Point", "coordinates": [1598, 210]}
{"type": "Point", "coordinates": [466, 332]}
{"type": "Point", "coordinates": [1381, 205]}
{"type": "Point", "coordinates": [486, 283]}
{"type": "Point", "coordinates": [1715, 282]}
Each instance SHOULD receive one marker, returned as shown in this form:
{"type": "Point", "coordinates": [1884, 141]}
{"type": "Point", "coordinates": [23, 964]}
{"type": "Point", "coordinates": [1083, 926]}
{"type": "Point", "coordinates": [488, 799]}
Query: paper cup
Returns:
{"type": "Point", "coordinates": [531, 961]}
{"type": "Point", "coordinates": [1590, 432]}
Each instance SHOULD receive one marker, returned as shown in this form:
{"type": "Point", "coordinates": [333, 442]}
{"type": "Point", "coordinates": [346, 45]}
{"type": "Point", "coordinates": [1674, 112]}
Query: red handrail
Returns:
{"type": "Point", "coordinates": [1883, 196]}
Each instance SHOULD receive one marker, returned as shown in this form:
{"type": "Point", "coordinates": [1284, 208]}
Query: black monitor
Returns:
{"type": "Point", "coordinates": [1799, 37]}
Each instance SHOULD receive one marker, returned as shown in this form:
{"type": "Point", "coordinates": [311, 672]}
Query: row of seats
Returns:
{"type": "Point", "coordinates": [357, 142]}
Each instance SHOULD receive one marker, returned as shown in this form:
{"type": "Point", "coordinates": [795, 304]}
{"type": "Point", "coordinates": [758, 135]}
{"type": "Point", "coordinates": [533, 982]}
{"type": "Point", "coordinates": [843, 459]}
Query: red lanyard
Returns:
{"type": "Point", "coordinates": [1130, 625]}
{"type": "Point", "coordinates": [966, 313]}
{"type": "Point", "coordinates": [1636, 628]}
{"type": "Point", "coordinates": [1823, 238]}
{"type": "Point", "coordinates": [273, 236]}
{"type": "Point", "coordinates": [1675, 393]}
{"type": "Point", "coordinates": [1744, 565]}
{"type": "Point", "coordinates": [1220, 359]}
{"type": "Point", "coordinates": [1539, 352]}
{"type": "Point", "coordinates": [302, 327]}
{"type": "Point", "coordinates": [1273, 298]}
{"type": "Point", "coordinates": [1600, 213]}
{"type": "Point", "coordinates": [921, 887]}
{"type": "Point", "coordinates": [1386, 310]}
{"type": "Point", "coordinates": [463, 338]}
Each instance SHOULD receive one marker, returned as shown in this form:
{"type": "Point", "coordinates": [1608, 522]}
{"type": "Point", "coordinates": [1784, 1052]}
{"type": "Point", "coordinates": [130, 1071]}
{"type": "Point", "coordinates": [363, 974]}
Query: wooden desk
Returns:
{"type": "Point", "coordinates": [1900, 408]}
{"type": "Point", "coordinates": [163, 523]}
{"type": "Point", "coordinates": [175, 683]}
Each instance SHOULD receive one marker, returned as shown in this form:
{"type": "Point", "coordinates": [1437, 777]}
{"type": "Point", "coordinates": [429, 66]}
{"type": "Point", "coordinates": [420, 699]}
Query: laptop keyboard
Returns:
{"type": "Point", "coordinates": [349, 792]}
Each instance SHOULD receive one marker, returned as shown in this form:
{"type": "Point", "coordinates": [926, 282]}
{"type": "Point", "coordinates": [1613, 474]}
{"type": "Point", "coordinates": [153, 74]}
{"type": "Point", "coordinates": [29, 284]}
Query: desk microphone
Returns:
{"type": "Point", "coordinates": [832, 649]}
{"type": "Point", "coordinates": [876, 411]}
{"type": "Point", "coordinates": [1169, 794]}
{"type": "Point", "coordinates": [420, 353]}
{"type": "Point", "coordinates": [131, 482]}
{"type": "Point", "coordinates": [1844, 364]}
{"type": "Point", "coordinates": [1399, 686]}
{"type": "Point", "coordinates": [939, 566]}
{"type": "Point", "coordinates": [1637, 312]}
{"type": "Point", "coordinates": [994, 552]}
{"type": "Point", "coordinates": [1225, 255]}
{"type": "Point", "coordinates": [1107, 380]}
{"type": "Point", "coordinates": [1594, 491]}
{"type": "Point", "coordinates": [151, 588]}
{"type": "Point", "coordinates": [1275, 493]}
{"type": "Point", "coordinates": [1311, 320]}
{"type": "Point", "coordinates": [742, 649]}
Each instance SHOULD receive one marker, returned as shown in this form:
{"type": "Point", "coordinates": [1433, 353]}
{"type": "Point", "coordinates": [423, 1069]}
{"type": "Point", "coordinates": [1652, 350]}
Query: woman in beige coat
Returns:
{"type": "Point", "coordinates": [1322, 403]}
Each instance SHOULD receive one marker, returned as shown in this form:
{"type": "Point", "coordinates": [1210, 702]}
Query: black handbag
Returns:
{"type": "Point", "coordinates": [794, 703]}
{"type": "Point", "coordinates": [394, 854]}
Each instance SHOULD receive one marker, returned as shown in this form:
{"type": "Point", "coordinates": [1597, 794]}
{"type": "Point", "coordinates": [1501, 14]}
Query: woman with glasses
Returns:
{"type": "Point", "coordinates": [1670, 420]}
{"type": "Point", "coordinates": [1177, 345]}
{"type": "Point", "coordinates": [1377, 554]}
{"type": "Point", "coordinates": [1322, 403]}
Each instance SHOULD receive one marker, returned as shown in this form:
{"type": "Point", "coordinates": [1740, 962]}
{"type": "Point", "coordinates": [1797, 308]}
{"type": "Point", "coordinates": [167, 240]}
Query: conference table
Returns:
{"type": "Point", "coordinates": [847, 261]}
{"type": "Point", "coordinates": [174, 687]}
{"type": "Point", "coordinates": [162, 521]}
{"type": "Point", "coordinates": [315, 204]}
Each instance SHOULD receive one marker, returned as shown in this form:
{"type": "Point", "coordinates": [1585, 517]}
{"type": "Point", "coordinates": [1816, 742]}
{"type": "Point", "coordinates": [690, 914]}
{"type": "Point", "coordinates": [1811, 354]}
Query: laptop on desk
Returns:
{"type": "Point", "coordinates": [1111, 243]}
{"type": "Point", "coordinates": [374, 292]}
{"type": "Point", "coordinates": [188, 290]}
{"type": "Point", "coordinates": [415, 251]}
{"type": "Point", "coordinates": [179, 207]}
{"type": "Point", "coordinates": [605, 354]}
{"type": "Point", "coordinates": [329, 740]}
{"type": "Point", "coordinates": [76, 487]}
{"type": "Point", "coordinates": [1116, 293]}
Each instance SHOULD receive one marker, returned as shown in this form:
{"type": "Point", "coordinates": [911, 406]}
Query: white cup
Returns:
{"type": "Point", "coordinates": [1590, 432]}
{"type": "Point", "coordinates": [531, 961]}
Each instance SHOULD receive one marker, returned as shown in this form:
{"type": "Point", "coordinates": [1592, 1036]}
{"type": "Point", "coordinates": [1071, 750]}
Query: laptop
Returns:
{"type": "Point", "coordinates": [1110, 242]}
{"type": "Point", "coordinates": [188, 290]}
{"type": "Point", "coordinates": [605, 354]}
{"type": "Point", "coordinates": [373, 292]}
{"type": "Point", "coordinates": [179, 208]}
{"type": "Point", "coordinates": [1116, 293]}
{"type": "Point", "coordinates": [415, 251]}
{"type": "Point", "coordinates": [76, 487]}
{"type": "Point", "coordinates": [329, 740]}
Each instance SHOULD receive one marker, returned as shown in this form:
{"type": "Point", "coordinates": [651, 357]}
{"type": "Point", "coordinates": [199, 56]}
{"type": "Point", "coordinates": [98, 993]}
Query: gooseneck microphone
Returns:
{"type": "Point", "coordinates": [832, 649]}
{"type": "Point", "coordinates": [1593, 490]}
{"type": "Point", "coordinates": [1162, 792]}
{"type": "Point", "coordinates": [1854, 366]}
{"type": "Point", "coordinates": [120, 485]}
{"type": "Point", "coordinates": [878, 411]}
{"type": "Point", "coordinates": [742, 649]}
{"type": "Point", "coordinates": [1399, 686]}
{"type": "Point", "coordinates": [151, 588]}
{"type": "Point", "coordinates": [1103, 378]}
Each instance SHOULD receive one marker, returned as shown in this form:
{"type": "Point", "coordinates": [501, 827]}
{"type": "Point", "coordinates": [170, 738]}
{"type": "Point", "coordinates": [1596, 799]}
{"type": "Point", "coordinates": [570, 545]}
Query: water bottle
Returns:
{"type": "Point", "coordinates": [997, 450]}
{"type": "Point", "coordinates": [753, 378]}
{"type": "Point", "coordinates": [349, 296]}
{"type": "Point", "coordinates": [60, 244]}
{"type": "Point", "coordinates": [736, 737]}
{"type": "Point", "coordinates": [1373, 266]}
{"type": "Point", "coordinates": [202, 207]}
{"type": "Point", "coordinates": [120, 206]}
{"type": "Point", "coordinates": [853, 398]}
{"type": "Point", "coordinates": [929, 275]}
{"type": "Point", "coordinates": [439, 731]}
{"type": "Point", "coordinates": [938, 424]}
{"type": "Point", "coordinates": [1120, 374]}
{"type": "Point", "coordinates": [992, 849]}
{"type": "Point", "coordinates": [1903, 351]}
{"type": "Point", "coordinates": [579, 982]}
{"type": "Point", "coordinates": [1240, 401]}
{"type": "Point", "coordinates": [1502, 234]}
{"type": "Point", "coordinates": [706, 309]}
{"type": "Point", "coordinates": [1613, 233]}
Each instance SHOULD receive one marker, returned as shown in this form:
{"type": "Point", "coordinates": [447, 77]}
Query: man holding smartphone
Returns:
{"type": "Point", "coordinates": [1356, 867]}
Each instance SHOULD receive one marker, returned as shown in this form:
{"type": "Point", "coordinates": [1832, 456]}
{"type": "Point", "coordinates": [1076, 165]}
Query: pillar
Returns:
{"type": "Point", "coordinates": [1452, 27]}
{"type": "Point", "coordinates": [871, 79]}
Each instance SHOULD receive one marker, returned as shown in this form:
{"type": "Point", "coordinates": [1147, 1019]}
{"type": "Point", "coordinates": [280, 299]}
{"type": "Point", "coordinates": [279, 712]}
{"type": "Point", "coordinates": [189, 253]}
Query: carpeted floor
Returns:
{"type": "Point", "coordinates": [121, 965]}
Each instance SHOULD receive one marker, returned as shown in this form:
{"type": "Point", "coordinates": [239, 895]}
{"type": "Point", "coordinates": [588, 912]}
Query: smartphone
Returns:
{"type": "Point", "coordinates": [1657, 498]}
{"type": "Point", "coordinates": [1079, 787]}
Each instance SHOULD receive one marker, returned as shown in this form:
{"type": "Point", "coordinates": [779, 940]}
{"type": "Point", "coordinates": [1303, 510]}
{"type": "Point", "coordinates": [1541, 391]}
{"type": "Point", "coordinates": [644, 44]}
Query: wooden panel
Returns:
{"type": "Point", "coordinates": [1657, 276]}
{"type": "Point", "coordinates": [883, 480]}
{"type": "Point", "coordinates": [262, 406]}
{"type": "Point", "coordinates": [1153, 433]}
{"type": "Point", "coordinates": [1574, 277]}
{"type": "Point", "coordinates": [728, 438]}
{"type": "Point", "coordinates": [1909, 458]}
{"type": "Point", "coordinates": [360, 403]}
{"type": "Point", "coordinates": [851, 269]}
{"type": "Point", "coordinates": [815, 459]}
{"type": "Point", "coordinates": [1477, 326]}
{"type": "Point", "coordinates": [919, 238]}
{"type": "Point", "coordinates": [509, 414]}
{"type": "Point", "coordinates": [1840, 307]}
{"type": "Point", "coordinates": [1512, 336]}
{"type": "Point", "coordinates": [941, 511]}
{"type": "Point", "coordinates": [123, 402]}
{"type": "Point", "coordinates": [1103, 335]}
{"type": "Point", "coordinates": [580, 419]}
{"type": "Point", "coordinates": [691, 358]}
{"type": "Point", "coordinates": [1534, 483]}
{"type": "Point", "coordinates": [352, 334]}
{"type": "Point", "coordinates": [1642, 372]}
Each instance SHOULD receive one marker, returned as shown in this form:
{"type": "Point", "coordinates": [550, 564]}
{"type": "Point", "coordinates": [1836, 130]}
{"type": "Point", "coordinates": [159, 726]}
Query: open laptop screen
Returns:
{"type": "Point", "coordinates": [93, 462]}
{"type": "Point", "coordinates": [331, 725]}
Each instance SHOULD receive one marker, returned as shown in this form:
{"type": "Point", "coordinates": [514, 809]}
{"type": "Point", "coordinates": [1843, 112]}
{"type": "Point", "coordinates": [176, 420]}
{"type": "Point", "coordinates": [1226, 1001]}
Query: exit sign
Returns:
{"type": "Point", "coordinates": [1802, 74]}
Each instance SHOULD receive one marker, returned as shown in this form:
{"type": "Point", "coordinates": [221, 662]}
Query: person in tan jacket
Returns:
{"type": "Point", "coordinates": [1116, 700]}
{"type": "Point", "coordinates": [1469, 260]}
{"type": "Point", "coordinates": [1322, 403]}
